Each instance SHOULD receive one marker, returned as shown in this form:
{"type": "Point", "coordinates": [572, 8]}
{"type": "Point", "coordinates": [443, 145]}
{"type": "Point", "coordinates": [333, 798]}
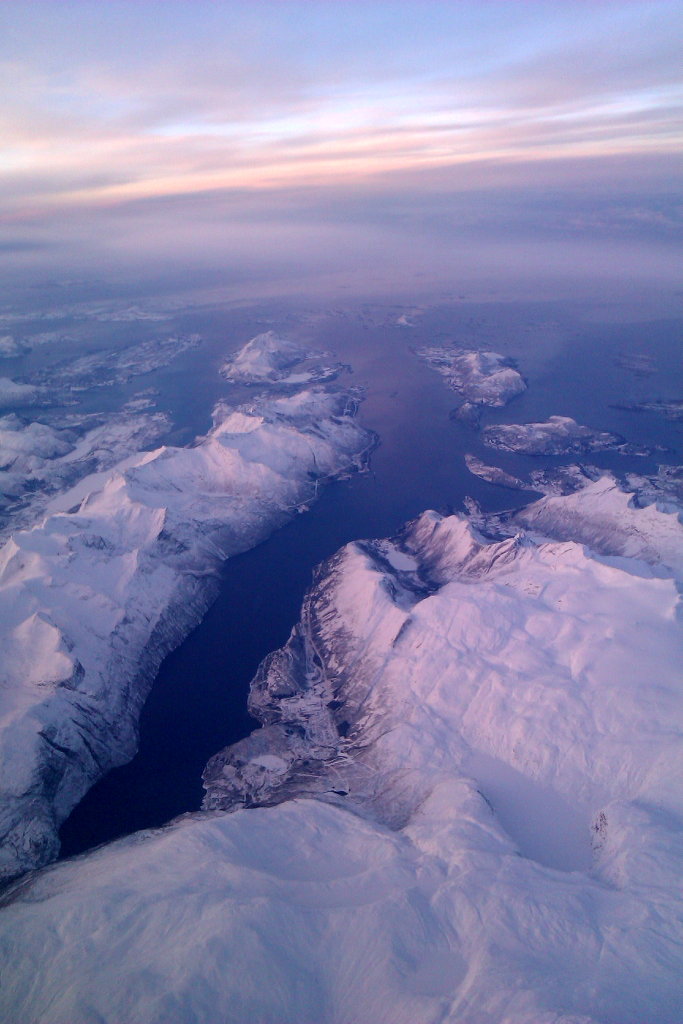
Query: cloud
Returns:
{"type": "Point", "coordinates": [117, 101]}
{"type": "Point", "coordinates": [261, 144]}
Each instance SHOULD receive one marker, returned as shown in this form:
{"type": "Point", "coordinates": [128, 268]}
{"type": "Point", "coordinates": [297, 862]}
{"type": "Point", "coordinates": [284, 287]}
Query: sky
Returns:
{"type": "Point", "coordinates": [148, 133]}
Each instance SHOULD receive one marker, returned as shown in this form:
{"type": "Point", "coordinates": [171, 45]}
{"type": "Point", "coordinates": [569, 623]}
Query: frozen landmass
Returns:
{"type": "Point", "coordinates": [559, 480]}
{"type": "Point", "coordinates": [672, 410]}
{"type": "Point", "coordinates": [493, 474]}
{"type": "Point", "coordinates": [270, 359]}
{"type": "Point", "coordinates": [92, 599]}
{"type": "Point", "coordinates": [558, 435]}
{"type": "Point", "coordinates": [611, 521]}
{"type": "Point", "coordinates": [102, 369]}
{"type": "Point", "coordinates": [38, 460]}
{"type": "Point", "coordinates": [563, 479]}
{"type": "Point", "coordinates": [663, 487]}
{"type": "Point", "coordinates": [465, 804]}
{"type": "Point", "coordinates": [665, 484]}
{"type": "Point", "coordinates": [481, 378]}
{"type": "Point", "coordinates": [20, 346]}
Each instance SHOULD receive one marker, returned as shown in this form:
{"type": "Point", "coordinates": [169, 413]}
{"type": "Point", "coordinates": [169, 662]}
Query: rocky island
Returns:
{"type": "Point", "coordinates": [672, 409]}
{"type": "Point", "coordinates": [558, 435]}
{"type": "Point", "coordinates": [482, 379]}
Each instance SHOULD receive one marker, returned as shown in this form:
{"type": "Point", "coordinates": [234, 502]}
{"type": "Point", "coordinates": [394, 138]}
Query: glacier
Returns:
{"type": "Point", "coordinates": [464, 803]}
{"type": "Point", "coordinates": [123, 565]}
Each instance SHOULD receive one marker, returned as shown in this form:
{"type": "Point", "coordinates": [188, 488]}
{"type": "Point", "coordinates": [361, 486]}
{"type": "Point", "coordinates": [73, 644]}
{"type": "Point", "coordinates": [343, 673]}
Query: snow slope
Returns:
{"type": "Point", "coordinates": [607, 518]}
{"type": "Point", "coordinates": [37, 460]}
{"type": "Point", "coordinates": [95, 596]}
{"type": "Point", "coordinates": [269, 358]}
{"type": "Point", "coordinates": [471, 810]}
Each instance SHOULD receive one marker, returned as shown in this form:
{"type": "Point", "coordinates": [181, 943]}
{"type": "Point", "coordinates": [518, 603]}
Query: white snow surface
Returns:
{"type": "Point", "coordinates": [606, 517]}
{"type": "Point", "coordinates": [37, 460]}
{"type": "Point", "coordinates": [271, 359]}
{"type": "Point", "coordinates": [481, 377]}
{"type": "Point", "coordinates": [122, 567]}
{"type": "Point", "coordinates": [510, 846]}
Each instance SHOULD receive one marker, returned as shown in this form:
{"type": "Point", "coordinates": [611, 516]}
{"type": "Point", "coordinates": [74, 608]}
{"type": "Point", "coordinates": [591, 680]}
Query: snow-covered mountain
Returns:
{"type": "Point", "coordinates": [122, 567]}
{"type": "Point", "coordinates": [38, 460]}
{"type": "Point", "coordinates": [464, 805]}
{"type": "Point", "coordinates": [271, 359]}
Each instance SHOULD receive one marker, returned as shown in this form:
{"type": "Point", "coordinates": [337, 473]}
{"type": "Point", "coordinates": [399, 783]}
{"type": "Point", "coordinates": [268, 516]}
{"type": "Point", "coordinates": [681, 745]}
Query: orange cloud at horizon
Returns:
{"type": "Point", "coordinates": [197, 104]}
{"type": "Point", "coordinates": [127, 167]}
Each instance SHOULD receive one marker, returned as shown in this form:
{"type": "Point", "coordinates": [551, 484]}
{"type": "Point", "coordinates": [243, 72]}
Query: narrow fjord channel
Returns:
{"type": "Point", "coordinates": [198, 702]}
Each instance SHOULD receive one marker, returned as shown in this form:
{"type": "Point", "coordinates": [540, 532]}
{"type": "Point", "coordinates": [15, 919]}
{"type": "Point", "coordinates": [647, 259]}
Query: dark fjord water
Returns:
{"type": "Point", "coordinates": [198, 702]}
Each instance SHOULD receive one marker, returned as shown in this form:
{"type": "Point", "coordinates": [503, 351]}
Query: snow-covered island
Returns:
{"type": "Point", "coordinates": [480, 378]}
{"type": "Point", "coordinates": [272, 359]}
{"type": "Point", "coordinates": [665, 485]}
{"type": "Point", "coordinates": [564, 479]}
{"type": "Point", "coordinates": [92, 598]}
{"type": "Point", "coordinates": [10, 347]}
{"type": "Point", "coordinates": [464, 804]}
{"type": "Point", "coordinates": [103, 369]}
{"type": "Point", "coordinates": [558, 435]}
{"type": "Point", "coordinates": [493, 474]}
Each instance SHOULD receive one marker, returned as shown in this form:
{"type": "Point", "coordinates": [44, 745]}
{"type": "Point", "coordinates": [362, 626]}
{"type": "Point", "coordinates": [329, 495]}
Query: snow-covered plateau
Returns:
{"type": "Point", "coordinates": [465, 803]}
{"type": "Point", "coordinates": [480, 378]}
{"type": "Point", "coordinates": [124, 564]}
{"type": "Point", "coordinates": [9, 347]}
